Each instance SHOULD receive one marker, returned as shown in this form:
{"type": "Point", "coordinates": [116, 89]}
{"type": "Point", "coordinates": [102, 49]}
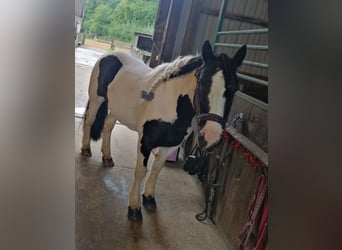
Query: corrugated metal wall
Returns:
{"type": "Point", "coordinates": [240, 14]}
{"type": "Point", "coordinates": [256, 10]}
{"type": "Point", "coordinates": [182, 27]}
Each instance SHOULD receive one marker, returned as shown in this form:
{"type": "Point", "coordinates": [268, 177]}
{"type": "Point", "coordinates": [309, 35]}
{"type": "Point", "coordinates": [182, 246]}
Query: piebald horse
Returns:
{"type": "Point", "coordinates": [162, 104]}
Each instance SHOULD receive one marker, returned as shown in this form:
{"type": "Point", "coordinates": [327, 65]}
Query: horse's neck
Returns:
{"type": "Point", "coordinates": [171, 78]}
{"type": "Point", "coordinates": [165, 71]}
{"type": "Point", "coordinates": [184, 85]}
{"type": "Point", "coordinates": [156, 73]}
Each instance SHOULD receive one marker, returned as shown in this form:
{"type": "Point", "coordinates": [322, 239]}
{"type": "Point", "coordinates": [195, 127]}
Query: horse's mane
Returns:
{"type": "Point", "coordinates": [180, 66]}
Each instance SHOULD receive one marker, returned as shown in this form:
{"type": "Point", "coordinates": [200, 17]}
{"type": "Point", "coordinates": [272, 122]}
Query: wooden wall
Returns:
{"type": "Point", "coordinates": [255, 125]}
{"type": "Point", "coordinates": [237, 177]}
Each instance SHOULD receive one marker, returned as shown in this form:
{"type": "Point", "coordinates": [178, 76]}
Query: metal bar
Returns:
{"type": "Point", "coordinates": [220, 19]}
{"type": "Point", "coordinates": [236, 17]}
{"type": "Point", "coordinates": [249, 145]}
{"type": "Point", "coordinates": [252, 79]}
{"type": "Point", "coordinates": [237, 32]}
{"type": "Point", "coordinates": [252, 100]}
{"type": "Point", "coordinates": [256, 47]}
{"type": "Point", "coordinates": [256, 64]}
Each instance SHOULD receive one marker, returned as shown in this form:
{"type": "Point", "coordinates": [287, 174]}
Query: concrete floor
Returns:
{"type": "Point", "coordinates": [102, 197]}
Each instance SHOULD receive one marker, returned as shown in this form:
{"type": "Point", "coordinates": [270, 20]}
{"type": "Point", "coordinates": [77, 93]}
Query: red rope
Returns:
{"type": "Point", "coordinates": [225, 135]}
{"type": "Point", "coordinates": [258, 200]}
{"type": "Point", "coordinates": [257, 189]}
{"type": "Point", "coordinates": [235, 145]}
{"type": "Point", "coordinates": [262, 231]}
{"type": "Point", "coordinates": [255, 162]}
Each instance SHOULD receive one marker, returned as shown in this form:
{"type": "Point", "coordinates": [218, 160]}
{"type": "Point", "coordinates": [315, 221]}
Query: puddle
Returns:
{"type": "Point", "coordinates": [79, 112]}
{"type": "Point", "coordinates": [86, 57]}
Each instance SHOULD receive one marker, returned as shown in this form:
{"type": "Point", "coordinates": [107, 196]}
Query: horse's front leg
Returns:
{"type": "Point", "coordinates": [155, 164]}
{"type": "Point", "coordinates": [107, 131]}
{"type": "Point", "coordinates": [134, 207]}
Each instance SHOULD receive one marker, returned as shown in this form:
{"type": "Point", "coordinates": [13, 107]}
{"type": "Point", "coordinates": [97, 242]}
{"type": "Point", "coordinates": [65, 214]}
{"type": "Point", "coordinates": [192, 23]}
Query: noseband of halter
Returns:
{"type": "Point", "coordinates": [205, 116]}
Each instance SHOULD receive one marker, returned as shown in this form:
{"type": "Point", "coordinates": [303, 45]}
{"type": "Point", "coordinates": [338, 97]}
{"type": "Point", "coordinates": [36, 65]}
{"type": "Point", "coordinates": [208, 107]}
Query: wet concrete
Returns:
{"type": "Point", "coordinates": [102, 197]}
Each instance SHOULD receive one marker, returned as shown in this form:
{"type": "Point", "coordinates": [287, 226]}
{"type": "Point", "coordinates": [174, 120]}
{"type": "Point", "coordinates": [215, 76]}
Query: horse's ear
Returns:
{"type": "Point", "coordinates": [240, 55]}
{"type": "Point", "coordinates": [207, 52]}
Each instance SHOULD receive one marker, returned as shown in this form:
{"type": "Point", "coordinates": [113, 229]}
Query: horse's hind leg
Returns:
{"type": "Point", "coordinates": [107, 131]}
{"type": "Point", "coordinates": [90, 116]}
{"type": "Point", "coordinates": [156, 165]}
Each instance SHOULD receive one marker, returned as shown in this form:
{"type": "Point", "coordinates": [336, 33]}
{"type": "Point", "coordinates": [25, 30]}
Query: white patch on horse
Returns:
{"type": "Point", "coordinates": [170, 69]}
{"type": "Point", "coordinates": [212, 130]}
{"type": "Point", "coordinates": [216, 98]}
{"type": "Point", "coordinates": [155, 151]}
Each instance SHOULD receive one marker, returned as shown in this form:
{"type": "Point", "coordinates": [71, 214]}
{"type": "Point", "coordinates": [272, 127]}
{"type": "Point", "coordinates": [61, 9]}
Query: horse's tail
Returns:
{"type": "Point", "coordinates": [98, 124]}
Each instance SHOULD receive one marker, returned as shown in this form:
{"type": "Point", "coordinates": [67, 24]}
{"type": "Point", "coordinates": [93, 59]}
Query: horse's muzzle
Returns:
{"type": "Point", "coordinates": [202, 143]}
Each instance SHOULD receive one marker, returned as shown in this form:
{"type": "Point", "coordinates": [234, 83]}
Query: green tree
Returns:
{"type": "Point", "coordinates": [90, 23]}
{"type": "Point", "coordinates": [119, 19]}
{"type": "Point", "coordinates": [101, 20]}
{"type": "Point", "coordinates": [142, 12]}
{"type": "Point", "coordinates": [125, 31]}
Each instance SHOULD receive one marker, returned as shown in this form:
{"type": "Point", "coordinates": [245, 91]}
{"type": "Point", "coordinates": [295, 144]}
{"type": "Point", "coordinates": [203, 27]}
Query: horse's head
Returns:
{"type": "Point", "coordinates": [216, 86]}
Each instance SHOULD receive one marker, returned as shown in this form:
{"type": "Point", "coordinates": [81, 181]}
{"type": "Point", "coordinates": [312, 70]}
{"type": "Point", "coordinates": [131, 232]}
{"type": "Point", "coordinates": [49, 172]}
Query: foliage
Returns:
{"type": "Point", "coordinates": [116, 31]}
{"type": "Point", "coordinates": [138, 11]}
{"type": "Point", "coordinates": [119, 19]}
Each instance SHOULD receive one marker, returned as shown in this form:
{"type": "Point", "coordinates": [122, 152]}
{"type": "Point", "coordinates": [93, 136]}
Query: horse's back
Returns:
{"type": "Point", "coordinates": [123, 80]}
{"type": "Point", "coordinates": [125, 60]}
{"type": "Point", "coordinates": [121, 77]}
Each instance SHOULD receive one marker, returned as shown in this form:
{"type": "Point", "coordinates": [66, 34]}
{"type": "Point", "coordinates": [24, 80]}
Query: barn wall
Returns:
{"type": "Point", "coordinates": [79, 14]}
{"type": "Point", "coordinates": [236, 182]}
{"type": "Point", "coordinates": [255, 124]}
{"type": "Point", "coordinates": [192, 22]}
{"type": "Point", "coordinates": [237, 176]}
{"type": "Point", "coordinates": [183, 26]}
{"type": "Point", "coordinates": [196, 22]}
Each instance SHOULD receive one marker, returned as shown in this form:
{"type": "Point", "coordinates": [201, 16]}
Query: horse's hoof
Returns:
{"type": "Point", "coordinates": [134, 214]}
{"type": "Point", "coordinates": [149, 203]}
{"type": "Point", "coordinates": [86, 152]}
{"type": "Point", "coordinates": [108, 162]}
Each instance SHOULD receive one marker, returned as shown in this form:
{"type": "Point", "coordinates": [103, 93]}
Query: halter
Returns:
{"type": "Point", "coordinates": [205, 116]}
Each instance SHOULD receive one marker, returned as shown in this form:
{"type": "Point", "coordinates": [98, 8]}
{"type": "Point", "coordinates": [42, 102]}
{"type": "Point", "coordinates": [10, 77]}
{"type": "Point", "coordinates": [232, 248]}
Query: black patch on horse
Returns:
{"type": "Point", "coordinates": [190, 66]}
{"type": "Point", "coordinates": [109, 67]}
{"type": "Point", "coordinates": [97, 126]}
{"type": "Point", "coordinates": [157, 133]}
{"type": "Point", "coordinates": [204, 75]}
{"type": "Point", "coordinates": [229, 69]}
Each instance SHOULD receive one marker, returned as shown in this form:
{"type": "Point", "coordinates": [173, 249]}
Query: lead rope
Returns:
{"type": "Point", "coordinates": [197, 99]}
{"type": "Point", "coordinates": [213, 182]}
